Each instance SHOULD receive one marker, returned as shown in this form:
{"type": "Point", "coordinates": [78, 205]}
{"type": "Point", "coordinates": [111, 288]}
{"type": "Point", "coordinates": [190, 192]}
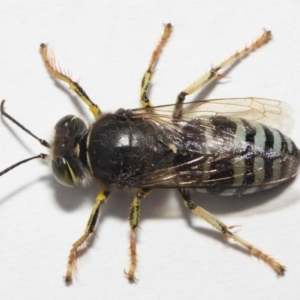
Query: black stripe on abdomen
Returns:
{"type": "Point", "coordinates": [249, 158]}
{"type": "Point", "coordinates": [221, 168]}
{"type": "Point", "coordinates": [269, 143]}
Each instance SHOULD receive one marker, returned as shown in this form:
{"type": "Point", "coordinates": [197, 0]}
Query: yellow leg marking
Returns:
{"type": "Point", "coordinates": [134, 223]}
{"type": "Point", "coordinates": [56, 73]}
{"type": "Point", "coordinates": [148, 74]}
{"type": "Point", "coordinates": [100, 199]}
{"type": "Point", "coordinates": [213, 73]}
{"type": "Point", "coordinates": [224, 229]}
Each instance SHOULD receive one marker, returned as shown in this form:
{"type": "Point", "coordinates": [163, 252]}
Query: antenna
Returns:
{"type": "Point", "coordinates": [42, 142]}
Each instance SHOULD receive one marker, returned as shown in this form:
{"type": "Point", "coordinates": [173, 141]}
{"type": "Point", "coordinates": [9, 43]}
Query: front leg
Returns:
{"type": "Point", "coordinates": [100, 199]}
{"type": "Point", "coordinates": [56, 73]}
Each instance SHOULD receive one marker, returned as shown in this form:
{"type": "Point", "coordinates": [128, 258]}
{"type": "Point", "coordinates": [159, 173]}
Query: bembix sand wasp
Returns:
{"type": "Point", "coordinates": [222, 146]}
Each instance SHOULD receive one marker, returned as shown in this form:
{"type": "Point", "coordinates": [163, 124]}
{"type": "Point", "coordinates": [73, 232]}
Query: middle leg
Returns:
{"type": "Point", "coordinates": [148, 74]}
{"type": "Point", "coordinates": [134, 217]}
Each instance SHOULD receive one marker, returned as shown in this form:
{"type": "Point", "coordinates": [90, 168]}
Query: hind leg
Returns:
{"type": "Point", "coordinates": [213, 72]}
{"type": "Point", "coordinates": [225, 231]}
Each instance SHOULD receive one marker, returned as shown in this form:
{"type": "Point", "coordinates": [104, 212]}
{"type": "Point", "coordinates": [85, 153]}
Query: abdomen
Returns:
{"type": "Point", "coordinates": [242, 157]}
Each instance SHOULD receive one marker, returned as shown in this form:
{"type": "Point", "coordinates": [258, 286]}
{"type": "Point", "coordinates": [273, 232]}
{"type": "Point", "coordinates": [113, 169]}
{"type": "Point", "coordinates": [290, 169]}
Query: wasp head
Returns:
{"type": "Point", "coordinates": [68, 152]}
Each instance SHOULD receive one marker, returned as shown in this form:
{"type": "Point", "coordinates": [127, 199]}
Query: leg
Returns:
{"type": "Point", "coordinates": [148, 74]}
{"type": "Point", "coordinates": [134, 223]}
{"type": "Point", "coordinates": [224, 229]}
{"type": "Point", "coordinates": [213, 73]}
{"type": "Point", "coordinates": [56, 73]}
{"type": "Point", "coordinates": [100, 199]}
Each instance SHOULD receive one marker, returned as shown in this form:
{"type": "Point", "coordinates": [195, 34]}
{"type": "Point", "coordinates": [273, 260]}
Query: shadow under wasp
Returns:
{"type": "Point", "coordinates": [221, 146]}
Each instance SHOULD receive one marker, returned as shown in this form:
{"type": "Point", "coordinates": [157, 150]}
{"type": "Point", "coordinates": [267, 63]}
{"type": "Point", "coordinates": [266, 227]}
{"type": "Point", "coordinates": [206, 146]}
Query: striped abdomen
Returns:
{"type": "Point", "coordinates": [239, 157]}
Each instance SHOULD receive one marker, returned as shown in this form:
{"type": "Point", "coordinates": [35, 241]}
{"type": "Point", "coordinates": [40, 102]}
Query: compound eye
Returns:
{"type": "Point", "coordinates": [63, 172]}
{"type": "Point", "coordinates": [64, 122]}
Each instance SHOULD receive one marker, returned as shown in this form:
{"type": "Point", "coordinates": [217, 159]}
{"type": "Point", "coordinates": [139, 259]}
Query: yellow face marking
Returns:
{"type": "Point", "coordinates": [73, 176]}
{"type": "Point", "coordinates": [173, 147]}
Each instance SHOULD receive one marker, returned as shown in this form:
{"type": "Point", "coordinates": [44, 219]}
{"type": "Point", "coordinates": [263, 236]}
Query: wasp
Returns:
{"type": "Point", "coordinates": [221, 146]}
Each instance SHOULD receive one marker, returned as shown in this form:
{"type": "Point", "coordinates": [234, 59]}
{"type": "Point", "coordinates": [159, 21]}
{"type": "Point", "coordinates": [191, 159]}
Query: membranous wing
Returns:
{"type": "Point", "coordinates": [221, 145]}
{"type": "Point", "coordinates": [266, 111]}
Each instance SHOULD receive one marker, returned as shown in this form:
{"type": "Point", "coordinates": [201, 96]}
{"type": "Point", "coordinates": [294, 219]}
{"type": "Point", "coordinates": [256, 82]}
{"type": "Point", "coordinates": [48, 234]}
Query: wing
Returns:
{"type": "Point", "coordinates": [228, 174]}
{"type": "Point", "coordinates": [266, 111]}
{"type": "Point", "coordinates": [218, 158]}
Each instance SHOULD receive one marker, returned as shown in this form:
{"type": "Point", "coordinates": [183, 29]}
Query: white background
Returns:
{"type": "Point", "coordinates": [107, 45]}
